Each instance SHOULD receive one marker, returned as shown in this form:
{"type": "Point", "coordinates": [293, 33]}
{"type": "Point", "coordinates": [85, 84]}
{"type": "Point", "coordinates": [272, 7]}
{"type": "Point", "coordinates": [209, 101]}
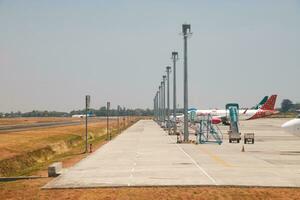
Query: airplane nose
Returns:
{"type": "Point", "coordinates": [286, 125]}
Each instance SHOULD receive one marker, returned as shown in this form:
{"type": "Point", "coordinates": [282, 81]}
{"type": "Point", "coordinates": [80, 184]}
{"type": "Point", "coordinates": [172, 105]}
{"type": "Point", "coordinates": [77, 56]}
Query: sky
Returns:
{"type": "Point", "coordinates": [54, 52]}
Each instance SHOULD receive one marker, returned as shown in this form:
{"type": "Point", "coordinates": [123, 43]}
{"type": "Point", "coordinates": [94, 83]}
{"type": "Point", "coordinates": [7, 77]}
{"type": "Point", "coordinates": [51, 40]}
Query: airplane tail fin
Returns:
{"type": "Point", "coordinates": [261, 103]}
{"type": "Point", "coordinates": [270, 103]}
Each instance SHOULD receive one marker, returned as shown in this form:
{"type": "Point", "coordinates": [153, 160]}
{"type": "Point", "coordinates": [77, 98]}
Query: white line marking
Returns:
{"type": "Point", "coordinates": [131, 176]}
{"type": "Point", "coordinates": [134, 164]}
{"type": "Point", "coordinates": [201, 169]}
{"type": "Point", "coordinates": [204, 172]}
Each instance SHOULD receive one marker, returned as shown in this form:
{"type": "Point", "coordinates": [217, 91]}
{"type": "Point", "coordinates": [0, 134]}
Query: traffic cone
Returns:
{"type": "Point", "coordinates": [243, 149]}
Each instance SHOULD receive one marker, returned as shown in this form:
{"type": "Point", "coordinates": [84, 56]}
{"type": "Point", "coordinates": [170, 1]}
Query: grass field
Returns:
{"type": "Point", "coordinates": [31, 120]}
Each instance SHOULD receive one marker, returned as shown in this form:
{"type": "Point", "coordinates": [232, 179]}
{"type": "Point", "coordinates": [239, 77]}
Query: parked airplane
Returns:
{"type": "Point", "coordinates": [81, 116]}
{"type": "Point", "coordinates": [266, 109]}
{"type": "Point", "coordinates": [292, 126]}
{"type": "Point", "coordinates": [180, 118]}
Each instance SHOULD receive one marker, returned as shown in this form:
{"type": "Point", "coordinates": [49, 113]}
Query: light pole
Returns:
{"type": "Point", "coordinates": [164, 98]}
{"type": "Point", "coordinates": [119, 119]}
{"type": "Point", "coordinates": [87, 105]}
{"type": "Point", "coordinates": [156, 105]}
{"type": "Point", "coordinates": [159, 107]}
{"type": "Point", "coordinates": [186, 30]}
{"type": "Point", "coordinates": [174, 58]}
{"type": "Point", "coordinates": [108, 136]}
{"type": "Point", "coordinates": [162, 102]}
{"type": "Point", "coordinates": [168, 98]}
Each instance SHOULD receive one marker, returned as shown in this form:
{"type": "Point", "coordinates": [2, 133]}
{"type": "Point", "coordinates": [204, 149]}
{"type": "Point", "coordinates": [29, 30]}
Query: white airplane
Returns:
{"type": "Point", "coordinates": [180, 118]}
{"type": "Point", "coordinates": [292, 126]}
{"type": "Point", "coordinates": [81, 116]}
{"type": "Point", "coordinates": [245, 114]}
{"type": "Point", "coordinates": [263, 109]}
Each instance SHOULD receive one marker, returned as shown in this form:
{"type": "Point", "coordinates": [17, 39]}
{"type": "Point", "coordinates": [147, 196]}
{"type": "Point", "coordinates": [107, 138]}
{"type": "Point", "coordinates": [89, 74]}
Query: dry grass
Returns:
{"type": "Point", "coordinates": [12, 144]}
{"type": "Point", "coordinates": [31, 189]}
{"type": "Point", "coordinates": [31, 120]}
{"type": "Point", "coordinates": [24, 152]}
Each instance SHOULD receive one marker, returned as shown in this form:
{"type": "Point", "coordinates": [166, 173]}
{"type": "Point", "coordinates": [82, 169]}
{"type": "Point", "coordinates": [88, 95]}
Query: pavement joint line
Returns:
{"type": "Point", "coordinates": [197, 165]}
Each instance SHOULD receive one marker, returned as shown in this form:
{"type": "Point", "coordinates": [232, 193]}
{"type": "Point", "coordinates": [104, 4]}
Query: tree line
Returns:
{"type": "Point", "coordinates": [288, 106]}
{"type": "Point", "coordinates": [93, 112]}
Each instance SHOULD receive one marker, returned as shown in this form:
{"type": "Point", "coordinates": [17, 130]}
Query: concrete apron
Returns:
{"type": "Point", "coordinates": [145, 155]}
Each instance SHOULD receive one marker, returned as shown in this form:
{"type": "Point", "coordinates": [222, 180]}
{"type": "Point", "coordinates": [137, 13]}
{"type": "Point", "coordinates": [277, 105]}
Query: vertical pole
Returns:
{"type": "Point", "coordinates": [155, 107]}
{"type": "Point", "coordinates": [107, 121]}
{"type": "Point", "coordinates": [164, 99]}
{"type": "Point", "coordinates": [175, 58]}
{"type": "Point", "coordinates": [119, 119]}
{"type": "Point", "coordinates": [126, 116]}
{"type": "Point", "coordinates": [86, 124]}
{"type": "Point", "coordinates": [168, 99]}
{"type": "Point", "coordinates": [123, 114]}
{"type": "Point", "coordinates": [185, 28]}
{"type": "Point", "coordinates": [160, 103]}
{"type": "Point", "coordinates": [157, 104]}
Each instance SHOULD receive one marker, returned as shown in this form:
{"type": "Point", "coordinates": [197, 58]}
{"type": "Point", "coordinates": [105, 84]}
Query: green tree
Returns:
{"type": "Point", "coordinates": [286, 105]}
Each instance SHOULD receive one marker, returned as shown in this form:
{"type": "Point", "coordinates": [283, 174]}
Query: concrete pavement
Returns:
{"type": "Point", "coordinates": [144, 155]}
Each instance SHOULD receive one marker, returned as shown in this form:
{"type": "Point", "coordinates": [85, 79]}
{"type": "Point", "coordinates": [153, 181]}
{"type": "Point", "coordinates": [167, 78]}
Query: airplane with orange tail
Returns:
{"type": "Point", "coordinates": [267, 109]}
{"type": "Point", "coordinates": [219, 115]}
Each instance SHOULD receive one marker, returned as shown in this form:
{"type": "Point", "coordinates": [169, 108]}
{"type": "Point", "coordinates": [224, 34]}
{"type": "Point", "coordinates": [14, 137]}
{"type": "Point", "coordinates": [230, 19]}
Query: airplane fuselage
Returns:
{"type": "Point", "coordinates": [244, 114]}
{"type": "Point", "coordinates": [292, 126]}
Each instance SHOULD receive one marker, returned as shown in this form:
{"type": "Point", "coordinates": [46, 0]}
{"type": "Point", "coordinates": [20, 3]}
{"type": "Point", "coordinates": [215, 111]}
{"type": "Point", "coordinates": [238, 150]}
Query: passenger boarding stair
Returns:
{"type": "Point", "coordinates": [207, 131]}
{"type": "Point", "coordinates": [234, 133]}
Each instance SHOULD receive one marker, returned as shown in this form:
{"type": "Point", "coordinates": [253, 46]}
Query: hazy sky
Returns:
{"type": "Point", "coordinates": [54, 52]}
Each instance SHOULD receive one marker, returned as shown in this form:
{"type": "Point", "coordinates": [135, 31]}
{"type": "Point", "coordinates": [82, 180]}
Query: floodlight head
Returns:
{"type": "Point", "coordinates": [164, 78]}
{"type": "Point", "coordinates": [175, 55]}
{"type": "Point", "coordinates": [168, 67]}
{"type": "Point", "coordinates": [186, 28]}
